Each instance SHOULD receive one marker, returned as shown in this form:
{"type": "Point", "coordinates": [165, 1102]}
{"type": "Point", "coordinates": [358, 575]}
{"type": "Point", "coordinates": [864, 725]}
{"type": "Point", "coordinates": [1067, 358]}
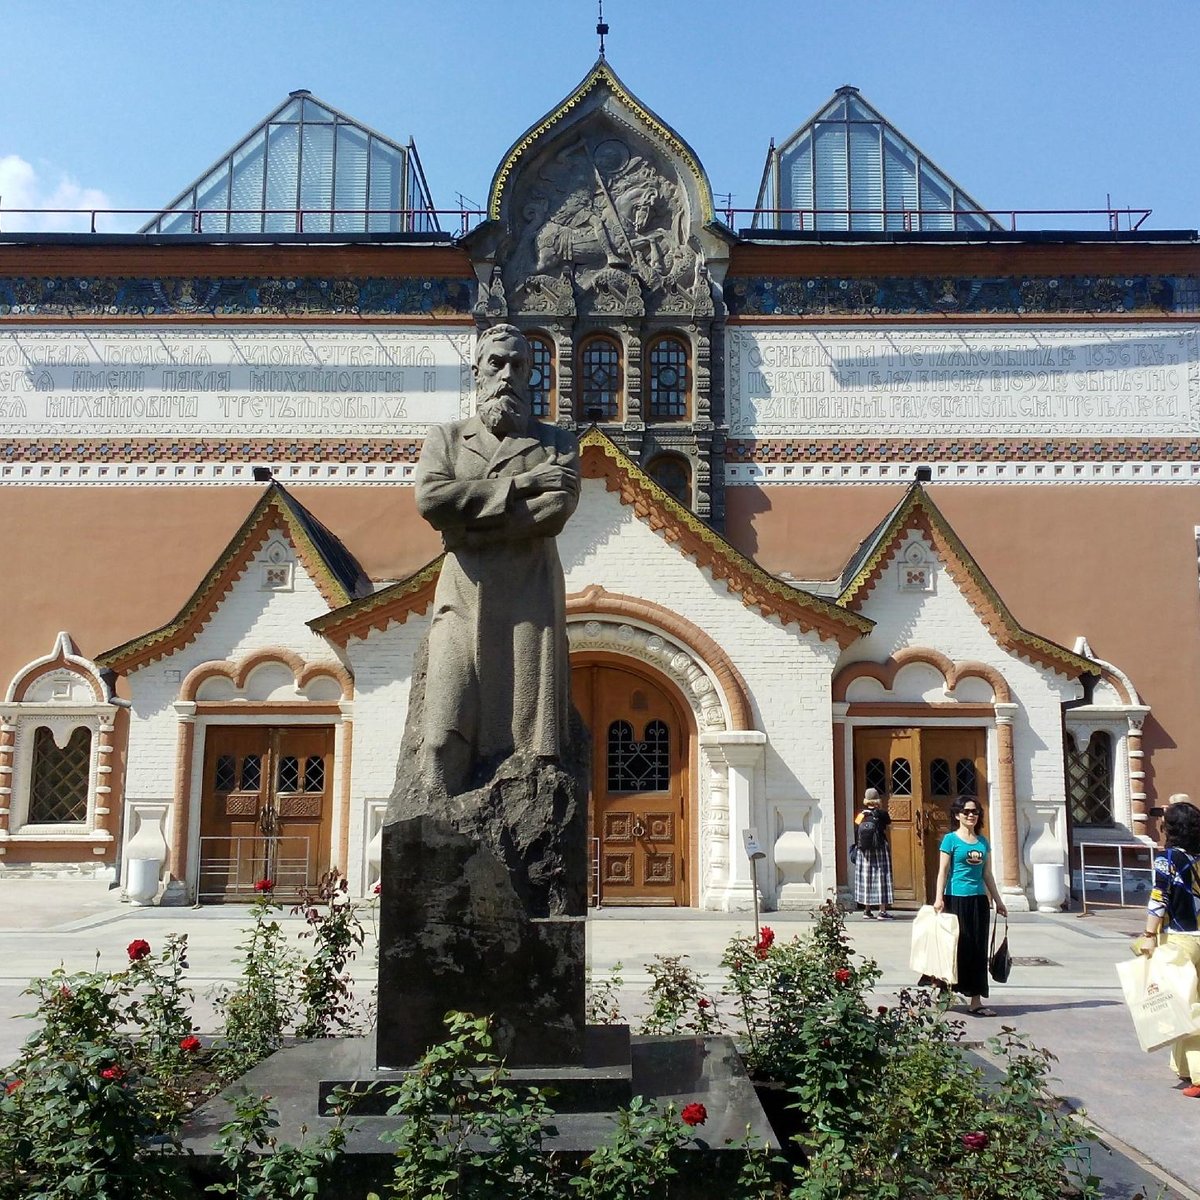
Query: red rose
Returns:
{"type": "Point", "coordinates": [975, 1141]}
{"type": "Point", "coordinates": [694, 1114]}
{"type": "Point", "coordinates": [378, 888]}
{"type": "Point", "coordinates": [138, 949]}
{"type": "Point", "coordinates": [265, 885]}
{"type": "Point", "coordinates": [766, 939]}
{"type": "Point", "coordinates": [113, 1074]}
{"type": "Point", "coordinates": [189, 1044]}
{"type": "Point", "coordinates": [882, 1010]}
{"type": "Point", "coordinates": [703, 1003]}
{"type": "Point", "coordinates": [65, 993]}
{"type": "Point", "coordinates": [12, 1085]}
{"type": "Point", "coordinates": [842, 975]}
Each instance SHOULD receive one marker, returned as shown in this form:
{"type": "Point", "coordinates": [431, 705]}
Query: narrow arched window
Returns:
{"type": "Point", "coordinates": [1090, 780]}
{"type": "Point", "coordinates": [541, 376]}
{"type": "Point", "coordinates": [673, 474]}
{"type": "Point", "coordinates": [668, 361]}
{"type": "Point", "coordinates": [600, 379]}
{"type": "Point", "coordinates": [58, 790]}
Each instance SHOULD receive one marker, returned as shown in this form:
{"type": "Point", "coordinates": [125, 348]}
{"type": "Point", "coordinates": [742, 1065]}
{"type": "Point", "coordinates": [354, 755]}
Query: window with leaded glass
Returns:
{"type": "Point", "coordinates": [668, 380]}
{"type": "Point", "coordinates": [966, 778]}
{"type": "Point", "coordinates": [940, 781]}
{"type": "Point", "coordinates": [901, 777]}
{"type": "Point", "coordinates": [639, 766]}
{"type": "Point", "coordinates": [541, 376]}
{"type": "Point", "coordinates": [600, 379]}
{"type": "Point", "coordinates": [251, 772]}
{"type": "Point", "coordinates": [1090, 780]}
{"type": "Point", "coordinates": [876, 775]}
{"type": "Point", "coordinates": [287, 777]}
{"type": "Point", "coordinates": [314, 774]}
{"type": "Point", "coordinates": [225, 773]}
{"type": "Point", "coordinates": [672, 473]}
{"type": "Point", "coordinates": [58, 789]}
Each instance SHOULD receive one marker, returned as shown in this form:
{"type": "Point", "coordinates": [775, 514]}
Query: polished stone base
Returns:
{"type": "Point", "coordinates": [601, 1082]}
{"type": "Point", "coordinates": [678, 1070]}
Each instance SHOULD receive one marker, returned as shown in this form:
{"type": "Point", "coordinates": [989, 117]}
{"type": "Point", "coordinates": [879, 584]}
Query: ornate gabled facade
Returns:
{"type": "Point", "coordinates": [601, 243]}
{"type": "Point", "coordinates": [207, 449]}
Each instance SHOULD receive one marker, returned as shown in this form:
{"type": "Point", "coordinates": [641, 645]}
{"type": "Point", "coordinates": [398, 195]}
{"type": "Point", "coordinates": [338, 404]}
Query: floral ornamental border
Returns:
{"type": "Point", "coordinates": [773, 295]}
{"type": "Point", "coordinates": [216, 296]}
{"type": "Point", "coordinates": [923, 450]}
{"type": "Point", "coordinates": [219, 450]}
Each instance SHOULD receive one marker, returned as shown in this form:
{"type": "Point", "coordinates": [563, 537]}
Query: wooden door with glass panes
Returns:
{"type": "Point", "coordinates": [265, 810]}
{"type": "Point", "coordinates": [955, 767]}
{"type": "Point", "coordinates": [919, 771]}
{"type": "Point", "coordinates": [639, 785]}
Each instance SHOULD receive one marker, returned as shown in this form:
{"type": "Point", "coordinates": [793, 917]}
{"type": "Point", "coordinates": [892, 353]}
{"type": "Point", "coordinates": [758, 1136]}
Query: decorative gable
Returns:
{"type": "Point", "coordinates": [278, 534]}
{"type": "Point", "coordinates": [917, 542]}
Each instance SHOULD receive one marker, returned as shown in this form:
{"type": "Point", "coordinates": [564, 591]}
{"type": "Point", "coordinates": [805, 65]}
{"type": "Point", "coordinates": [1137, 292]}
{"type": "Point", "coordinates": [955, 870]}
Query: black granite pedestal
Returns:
{"type": "Point", "coordinates": [679, 1070]}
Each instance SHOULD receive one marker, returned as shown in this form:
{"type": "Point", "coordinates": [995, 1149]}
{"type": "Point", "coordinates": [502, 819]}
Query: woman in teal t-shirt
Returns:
{"type": "Point", "coordinates": [964, 884]}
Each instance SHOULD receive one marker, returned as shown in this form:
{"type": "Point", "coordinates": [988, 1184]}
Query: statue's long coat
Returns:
{"type": "Point", "coordinates": [498, 662]}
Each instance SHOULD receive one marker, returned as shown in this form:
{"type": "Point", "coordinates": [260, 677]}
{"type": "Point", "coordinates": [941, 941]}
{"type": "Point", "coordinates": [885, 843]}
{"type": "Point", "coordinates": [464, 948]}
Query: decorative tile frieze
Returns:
{"type": "Point", "coordinates": [919, 451]}
{"type": "Point", "coordinates": [79, 296]}
{"type": "Point", "coordinates": [1016, 295]}
{"type": "Point", "coordinates": [892, 471]}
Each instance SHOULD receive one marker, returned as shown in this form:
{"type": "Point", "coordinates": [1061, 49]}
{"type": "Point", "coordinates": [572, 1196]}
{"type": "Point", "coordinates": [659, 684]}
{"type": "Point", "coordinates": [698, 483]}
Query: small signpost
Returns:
{"type": "Point", "coordinates": [753, 852]}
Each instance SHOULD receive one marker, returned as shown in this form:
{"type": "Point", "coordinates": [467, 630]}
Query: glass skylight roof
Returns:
{"type": "Point", "coordinates": [306, 169]}
{"type": "Point", "coordinates": [849, 169]}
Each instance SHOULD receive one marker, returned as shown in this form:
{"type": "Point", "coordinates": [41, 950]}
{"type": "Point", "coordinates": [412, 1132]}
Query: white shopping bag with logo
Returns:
{"type": "Point", "coordinates": [935, 945]}
{"type": "Point", "coordinates": [1154, 990]}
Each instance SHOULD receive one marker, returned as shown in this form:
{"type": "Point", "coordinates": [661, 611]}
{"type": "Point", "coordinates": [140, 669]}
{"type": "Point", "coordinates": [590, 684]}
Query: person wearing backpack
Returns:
{"type": "Point", "coordinates": [873, 863]}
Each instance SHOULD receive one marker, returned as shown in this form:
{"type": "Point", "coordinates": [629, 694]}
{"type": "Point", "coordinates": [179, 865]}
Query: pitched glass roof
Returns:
{"type": "Point", "coordinates": [307, 168]}
{"type": "Point", "coordinates": [848, 168]}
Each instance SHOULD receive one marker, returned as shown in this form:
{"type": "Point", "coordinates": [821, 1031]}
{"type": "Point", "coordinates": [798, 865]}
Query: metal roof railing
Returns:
{"type": "Point", "coordinates": [914, 219]}
{"type": "Point", "coordinates": [407, 220]}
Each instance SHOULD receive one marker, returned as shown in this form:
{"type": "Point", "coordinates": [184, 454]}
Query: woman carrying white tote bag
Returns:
{"type": "Point", "coordinates": [934, 954]}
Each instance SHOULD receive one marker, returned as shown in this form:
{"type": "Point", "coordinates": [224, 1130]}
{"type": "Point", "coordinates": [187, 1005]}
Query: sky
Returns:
{"type": "Point", "coordinates": [1028, 105]}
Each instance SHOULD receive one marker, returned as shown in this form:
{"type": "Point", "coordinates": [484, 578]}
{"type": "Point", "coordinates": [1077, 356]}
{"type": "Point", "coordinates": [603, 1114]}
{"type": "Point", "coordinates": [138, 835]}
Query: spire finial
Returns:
{"type": "Point", "coordinates": [601, 27]}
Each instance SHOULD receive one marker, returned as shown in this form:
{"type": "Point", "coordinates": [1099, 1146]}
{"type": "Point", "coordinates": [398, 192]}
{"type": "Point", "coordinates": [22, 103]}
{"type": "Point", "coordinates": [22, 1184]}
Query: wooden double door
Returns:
{"type": "Point", "coordinates": [919, 771]}
{"type": "Point", "coordinates": [639, 809]}
{"type": "Point", "coordinates": [266, 810]}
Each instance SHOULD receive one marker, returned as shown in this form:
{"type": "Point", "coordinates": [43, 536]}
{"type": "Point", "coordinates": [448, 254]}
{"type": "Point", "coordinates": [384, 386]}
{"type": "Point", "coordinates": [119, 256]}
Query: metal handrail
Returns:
{"type": "Point", "coordinates": [468, 218]}
{"type": "Point", "coordinates": [465, 216]}
{"type": "Point", "coordinates": [911, 217]}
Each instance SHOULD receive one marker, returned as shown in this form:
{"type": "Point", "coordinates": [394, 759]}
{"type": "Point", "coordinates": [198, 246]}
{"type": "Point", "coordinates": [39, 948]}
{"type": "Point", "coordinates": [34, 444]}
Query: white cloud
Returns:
{"type": "Point", "coordinates": [24, 186]}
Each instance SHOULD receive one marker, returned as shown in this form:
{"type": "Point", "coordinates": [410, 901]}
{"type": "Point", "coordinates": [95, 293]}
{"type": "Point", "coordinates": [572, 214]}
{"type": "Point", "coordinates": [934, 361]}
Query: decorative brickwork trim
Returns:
{"type": "Point", "coordinates": [919, 451]}
{"type": "Point", "coordinates": [270, 515]}
{"type": "Point", "coordinates": [389, 605]}
{"type": "Point", "coordinates": [952, 672]}
{"type": "Point", "coordinates": [63, 657]}
{"type": "Point", "coordinates": [220, 450]}
{"type": "Point", "coordinates": [918, 512]}
{"type": "Point", "coordinates": [159, 298]}
{"type": "Point", "coordinates": [603, 459]}
{"type": "Point", "coordinates": [238, 672]}
{"type": "Point", "coordinates": [595, 599]}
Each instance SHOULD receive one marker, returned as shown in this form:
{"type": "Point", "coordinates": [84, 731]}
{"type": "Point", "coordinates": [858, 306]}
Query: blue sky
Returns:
{"type": "Point", "coordinates": [1053, 104]}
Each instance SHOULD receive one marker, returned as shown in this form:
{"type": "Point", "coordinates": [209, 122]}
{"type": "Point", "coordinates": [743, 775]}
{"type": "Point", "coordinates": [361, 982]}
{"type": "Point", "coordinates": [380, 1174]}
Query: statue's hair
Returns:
{"type": "Point", "coordinates": [503, 330]}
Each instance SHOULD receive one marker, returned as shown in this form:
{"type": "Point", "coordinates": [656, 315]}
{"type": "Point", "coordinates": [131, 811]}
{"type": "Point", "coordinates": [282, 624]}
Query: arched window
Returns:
{"type": "Point", "coordinates": [600, 379]}
{"type": "Point", "coordinates": [673, 474]}
{"type": "Point", "coordinates": [1090, 780]}
{"type": "Point", "coordinates": [58, 790]}
{"type": "Point", "coordinates": [541, 377]}
{"type": "Point", "coordinates": [668, 379]}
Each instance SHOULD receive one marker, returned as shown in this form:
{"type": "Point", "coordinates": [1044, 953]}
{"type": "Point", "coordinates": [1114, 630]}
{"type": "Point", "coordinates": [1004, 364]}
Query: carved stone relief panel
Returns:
{"type": "Point", "coordinates": [601, 225]}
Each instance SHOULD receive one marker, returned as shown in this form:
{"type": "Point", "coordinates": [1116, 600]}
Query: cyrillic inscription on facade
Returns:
{"type": "Point", "coordinates": [1104, 381]}
{"type": "Point", "coordinates": [231, 382]}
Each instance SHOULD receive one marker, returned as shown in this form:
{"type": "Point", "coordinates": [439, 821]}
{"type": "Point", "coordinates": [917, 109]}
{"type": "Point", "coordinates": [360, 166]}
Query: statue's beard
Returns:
{"type": "Point", "coordinates": [504, 410]}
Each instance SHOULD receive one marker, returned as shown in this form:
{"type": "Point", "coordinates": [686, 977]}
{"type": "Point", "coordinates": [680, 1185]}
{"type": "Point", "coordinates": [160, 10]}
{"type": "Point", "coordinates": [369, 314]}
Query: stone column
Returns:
{"type": "Point", "coordinates": [741, 752]}
{"type": "Point", "coordinates": [1138, 808]}
{"type": "Point", "coordinates": [8, 739]}
{"type": "Point", "coordinates": [180, 807]}
{"type": "Point", "coordinates": [1010, 878]}
{"type": "Point", "coordinates": [105, 817]}
{"type": "Point", "coordinates": [840, 709]}
{"type": "Point", "coordinates": [717, 827]}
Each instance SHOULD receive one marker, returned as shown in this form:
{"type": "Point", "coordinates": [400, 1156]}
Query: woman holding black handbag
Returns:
{"type": "Point", "coordinates": [964, 884]}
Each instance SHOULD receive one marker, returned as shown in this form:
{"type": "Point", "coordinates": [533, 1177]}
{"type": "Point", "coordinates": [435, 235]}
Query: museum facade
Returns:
{"type": "Point", "coordinates": [876, 493]}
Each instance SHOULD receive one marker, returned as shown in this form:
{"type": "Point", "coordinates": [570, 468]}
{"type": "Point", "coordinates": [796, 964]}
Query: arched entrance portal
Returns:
{"type": "Point", "coordinates": [641, 756]}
